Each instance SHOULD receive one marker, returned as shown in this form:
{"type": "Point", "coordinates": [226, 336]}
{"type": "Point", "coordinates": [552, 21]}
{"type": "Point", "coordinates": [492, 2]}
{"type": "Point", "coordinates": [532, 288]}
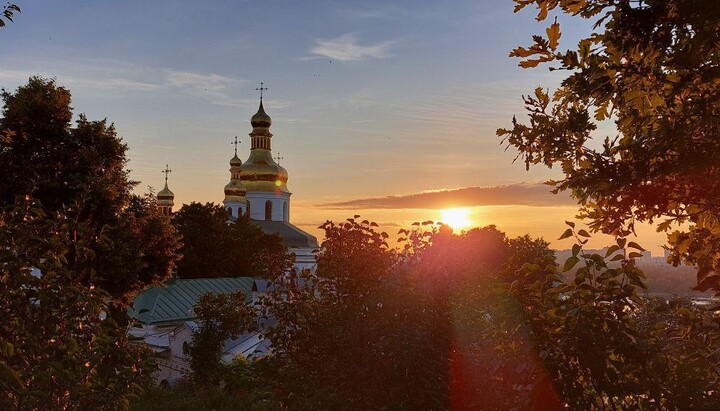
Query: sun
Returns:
{"type": "Point", "coordinates": [457, 218]}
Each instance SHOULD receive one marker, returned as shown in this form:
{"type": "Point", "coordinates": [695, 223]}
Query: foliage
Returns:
{"type": "Point", "coordinates": [651, 67]}
{"type": "Point", "coordinates": [598, 343]}
{"type": "Point", "coordinates": [66, 211]}
{"type": "Point", "coordinates": [8, 12]}
{"type": "Point", "coordinates": [220, 316]}
{"type": "Point", "coordinates": [213, 247]}
{"type": "Point", "coordinates": [42, 156]}
{"type": "Point", "coordinates": [374, 318]}
{"type": "Point", "coordinates": [185, 397]}
{"type": "Point", "coordinates": [60, 345]}
{"type": "Point", "coordinates": [79, 172]}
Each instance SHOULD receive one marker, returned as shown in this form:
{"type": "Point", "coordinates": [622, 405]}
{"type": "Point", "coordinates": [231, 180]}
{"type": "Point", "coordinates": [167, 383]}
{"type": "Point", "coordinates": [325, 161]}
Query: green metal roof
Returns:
{"type": "Point", "coordinates": [174, 301]}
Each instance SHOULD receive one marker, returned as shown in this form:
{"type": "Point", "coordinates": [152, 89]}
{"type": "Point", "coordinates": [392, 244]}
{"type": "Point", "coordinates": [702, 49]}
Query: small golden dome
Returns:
{"type": "Point", "coordinates": [165, 197]}
{"type": "Point", "coordinates": [261, 119]}
{"type": "Point", "coordinates": [235, 191]}
{"type": "Point", "coordinates": [235, 161]}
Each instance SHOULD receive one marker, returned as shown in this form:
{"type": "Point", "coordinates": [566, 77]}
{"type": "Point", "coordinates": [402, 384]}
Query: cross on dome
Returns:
{"type": "Point", "coordinates": [278, 158]}
{"type": "Point", "coordinates": [166, 172]}
{"type": "Point", "coordinates": [261, 89]}
{"type": "Point", "coordinates": [235, 143]}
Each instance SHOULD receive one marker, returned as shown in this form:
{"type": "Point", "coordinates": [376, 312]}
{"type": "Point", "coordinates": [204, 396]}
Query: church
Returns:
{"type": "Point", "coordinates": [258, 189]}
{"type": "Point", "coordinates": [165, 318]}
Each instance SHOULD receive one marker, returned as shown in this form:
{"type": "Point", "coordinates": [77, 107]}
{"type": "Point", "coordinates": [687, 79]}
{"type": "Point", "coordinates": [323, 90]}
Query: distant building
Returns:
{"type": "Point", "coordinates": [166, 323]}
{"type": "Point", "coordinates": [258, 189]}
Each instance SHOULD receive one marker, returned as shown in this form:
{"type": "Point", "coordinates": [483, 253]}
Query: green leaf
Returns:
{"type": "Point", "coordinates": [570, 263]}
{"type": "Point", "coordinates": [633, 244]}
{"type": "Point", "coordinates": [612, 250]}
{"type": "Point", "coordinates": [583, 233]}
{"type": "Point", "coordinates": [576, 249]}
{"type": "Point", "coordinates": [9, 375]}
{"type": "Point", "coordinates": [566, 234]}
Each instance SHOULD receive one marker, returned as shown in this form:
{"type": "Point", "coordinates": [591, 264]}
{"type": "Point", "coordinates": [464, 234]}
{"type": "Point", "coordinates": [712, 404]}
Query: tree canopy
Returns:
{"type": "Point", "coordinates": [75, 247]}
{"type": "Point", "coordinates": [653, 69]}
{"type": "Point", "coordinates": [79, 172]}
{"type": "Point", "coordinates": [212, 246]}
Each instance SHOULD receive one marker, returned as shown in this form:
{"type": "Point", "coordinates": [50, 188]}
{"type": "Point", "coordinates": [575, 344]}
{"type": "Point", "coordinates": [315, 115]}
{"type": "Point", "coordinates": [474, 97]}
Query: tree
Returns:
{"type": "Point", "coordinates": [220, 316]}
{"type": "Point", "coordinates": [591, 342]}
{"type": "Point", "coordinates": [79, 172]}
{"type": "Point", "coordinates": [42, 156]}
{"type": "Point", "coordinates": [8, 12]}
{"type": "Point", "coordinates": [212, 246]}
{"type": "Point", "coordinates": [651, 67]}
{"type": "Point", "coordinates": [75, 246]}
{"type": "Point", "coordinates": [60, 346]}
{"type": "Point", "coordinates": [139, 250]}
{"type": "Point", "coordinates": [380, 318]}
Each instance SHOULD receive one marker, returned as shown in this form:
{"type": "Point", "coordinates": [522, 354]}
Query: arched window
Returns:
{"type": "Point", "coordinates": [268, 210]}
{"type": "Point", "coordinates": [285, 211]}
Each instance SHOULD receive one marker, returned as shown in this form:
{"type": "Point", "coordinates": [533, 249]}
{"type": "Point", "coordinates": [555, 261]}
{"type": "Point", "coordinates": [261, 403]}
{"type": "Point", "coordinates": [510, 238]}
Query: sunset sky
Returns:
{"type": "Point", "coordinates": [379, 108]}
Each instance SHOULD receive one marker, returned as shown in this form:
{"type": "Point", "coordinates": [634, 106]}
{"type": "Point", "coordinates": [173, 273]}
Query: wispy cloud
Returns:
{"type": "Point", "coordinates": [197, 81]}
{"type": "Point", "coordinates": [346, 48]}
{"type": "Point", "coordinates": [528, 194]}
{"type": "Point", "coordinates": [110, 82]}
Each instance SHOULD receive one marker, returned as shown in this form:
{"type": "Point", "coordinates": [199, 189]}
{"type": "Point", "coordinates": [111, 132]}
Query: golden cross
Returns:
{"type": "Point", "coordinates": [278, 158]}
{"type": "Point", "coordinates": [166, 172]}
{"type": "Point", "coordinates": [261, 89]}
{"type": "Point", "coordinates": [235, 143]}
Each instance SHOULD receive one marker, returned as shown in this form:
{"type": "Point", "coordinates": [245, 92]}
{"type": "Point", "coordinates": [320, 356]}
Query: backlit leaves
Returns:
{"type": "Point", "coordinates": [652, 69]}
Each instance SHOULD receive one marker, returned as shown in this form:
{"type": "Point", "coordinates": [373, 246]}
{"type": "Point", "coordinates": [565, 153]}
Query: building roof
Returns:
{"type": "Point", "coordinates": [292, 236]}
{"type": "Point", "coordinates": [174, 301]}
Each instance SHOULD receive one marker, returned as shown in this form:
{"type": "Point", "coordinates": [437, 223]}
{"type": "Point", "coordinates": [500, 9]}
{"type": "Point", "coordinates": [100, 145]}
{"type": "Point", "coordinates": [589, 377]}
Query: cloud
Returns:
{"type": "Point", "coordinates": [345, 48]}
{"type": "Point", "coordinates": [527, 194]}
{"type": "Point", "coordinates": [83, 80]}
{"type": "Point", "coordinates": [196, 81]}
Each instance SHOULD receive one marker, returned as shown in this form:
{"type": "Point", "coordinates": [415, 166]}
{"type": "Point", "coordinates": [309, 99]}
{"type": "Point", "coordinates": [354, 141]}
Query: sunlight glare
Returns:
{"type": "Point", "coordinates": [457, 218]}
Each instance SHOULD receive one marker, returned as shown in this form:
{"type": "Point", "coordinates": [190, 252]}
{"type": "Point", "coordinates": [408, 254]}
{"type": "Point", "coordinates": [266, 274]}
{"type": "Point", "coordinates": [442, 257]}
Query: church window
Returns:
{"type": "Point", "coordinates": [268, 210]}
{"type": "Point", "coordinates": [285, 211]}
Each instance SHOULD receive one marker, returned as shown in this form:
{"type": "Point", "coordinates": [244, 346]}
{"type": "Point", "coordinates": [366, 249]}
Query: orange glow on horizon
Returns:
{"type": "Point", "coordinates": [457, 218]}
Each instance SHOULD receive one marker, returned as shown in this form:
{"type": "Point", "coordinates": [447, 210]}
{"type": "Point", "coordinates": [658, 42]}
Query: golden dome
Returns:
{"type": "Point", "coordinates": [261, 119]}
{"type": "Point", "coordinates": [235, 161]}
{"type": "Point", "coordinates": [235, 190]}
{"type": "Point", "coordinates": [260, 172]}
{"type": "Point", "coordinates": [165, 197]}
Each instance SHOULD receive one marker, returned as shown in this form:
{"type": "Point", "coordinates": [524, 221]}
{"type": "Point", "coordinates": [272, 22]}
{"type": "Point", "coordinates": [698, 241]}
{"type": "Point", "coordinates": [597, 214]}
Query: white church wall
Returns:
{"type": "Point", "coordinates": [278, 200]}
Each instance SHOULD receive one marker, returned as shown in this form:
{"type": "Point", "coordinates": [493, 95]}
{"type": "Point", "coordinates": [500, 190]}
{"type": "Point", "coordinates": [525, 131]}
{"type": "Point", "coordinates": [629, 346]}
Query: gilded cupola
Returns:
{"type": "Point", "coordinates": [261, 172]}
{"type": "Point", "coordinates": [235, 190]}
{"type": "Point", "coordinates": [165, 197]}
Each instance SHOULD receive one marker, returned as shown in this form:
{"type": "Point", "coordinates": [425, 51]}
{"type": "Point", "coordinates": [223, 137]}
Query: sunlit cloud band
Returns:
{"type": "Point", "coordinates": [526, 194]}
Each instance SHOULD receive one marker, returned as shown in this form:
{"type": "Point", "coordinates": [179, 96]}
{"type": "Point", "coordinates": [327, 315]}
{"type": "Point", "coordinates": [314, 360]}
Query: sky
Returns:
{"type": "Point", "coordinates": [386, 109]}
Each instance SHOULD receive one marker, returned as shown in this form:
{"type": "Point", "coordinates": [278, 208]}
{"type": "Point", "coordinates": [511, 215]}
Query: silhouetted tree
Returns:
{"type": "Point", "coordinates": [79, 172]}
{"type": "Point", "coordinates": [212, 246]}
{"type": "Point", "coordinates": [8, 12]}
{"type": "Point", "coordinates": [650, 67]}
